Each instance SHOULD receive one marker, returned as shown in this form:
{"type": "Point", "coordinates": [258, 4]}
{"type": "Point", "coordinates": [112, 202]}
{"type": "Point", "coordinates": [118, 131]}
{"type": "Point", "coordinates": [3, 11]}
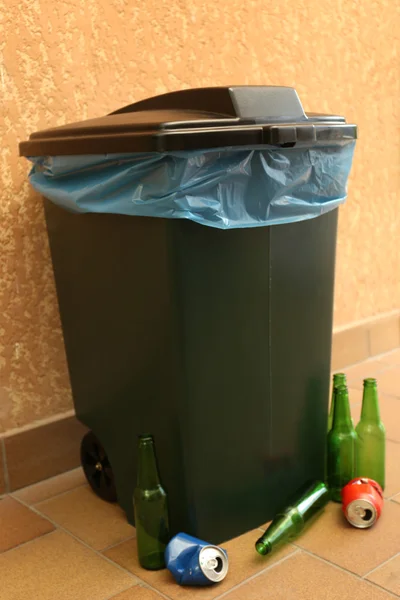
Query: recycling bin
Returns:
{"type": "Point", "coordinates": [193, 242]}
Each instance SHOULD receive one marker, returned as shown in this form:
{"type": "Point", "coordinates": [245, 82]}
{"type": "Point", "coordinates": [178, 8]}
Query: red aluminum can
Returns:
{"type": "Point", "coordinates": [362, 502]}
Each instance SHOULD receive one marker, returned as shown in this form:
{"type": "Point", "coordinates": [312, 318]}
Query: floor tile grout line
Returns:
{"type": "Point", "coordinates": [38, 537]}
{"type": "Point", "coordinates": [153, 589]}
{"type": "Point", "coordinates": [392, 498]}
{"type": "Point", "coordinates": [107, 548]}
{"type": "Point", "coordinates": [61, 528]}
{"type": "Point", "coordinates": [327, 561]}
{"type": "Point", "coordinates": [374, 357]}
{"type": "Point", "coordinates": [385, 562]}
{"type": "Point", "coordinates": [131, 587]}
{"type": "Point", "coordinates": [378, 371]}
{"type": "Point", "coordinates": [78, 487]}
{"type": "Point", "coordinates": [381, 358]}
{"type": "Point", "coordinates": [97, 552]}
{"type": "Point", "coordinates": [385, 367]}
{"type": "Point", "coordinates": [6, 474]}
{"type": "Point", "coordinates": [380, 587]}
{"type": "Point", "coordinates": [48, 479]}
{"type": "Point", "coordinates": [340, 568]}
{"type": "Point", "coordinates": [139, 585]}
{"type": "Point", "coordinates": [242, 583]}
{"type": "Point", "coordinates": [393, 441]}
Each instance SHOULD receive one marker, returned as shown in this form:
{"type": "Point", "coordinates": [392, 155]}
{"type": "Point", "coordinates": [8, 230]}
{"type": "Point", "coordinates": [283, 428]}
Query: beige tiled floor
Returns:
{"type": "Point", "coordinates": [59, 541]}
{"type": "Point", "coordinates": [97, 523]}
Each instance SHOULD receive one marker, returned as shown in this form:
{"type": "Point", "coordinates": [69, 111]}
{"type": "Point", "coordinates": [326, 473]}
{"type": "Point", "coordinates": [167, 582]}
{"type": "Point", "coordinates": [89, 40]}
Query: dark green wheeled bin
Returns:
{"type": "Point", "coordinates": [218, 342]}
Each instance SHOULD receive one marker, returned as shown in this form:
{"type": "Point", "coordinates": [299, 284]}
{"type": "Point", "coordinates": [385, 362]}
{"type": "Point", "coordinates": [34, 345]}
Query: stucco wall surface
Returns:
{"type": "Point", "coordinates": [70, 60]}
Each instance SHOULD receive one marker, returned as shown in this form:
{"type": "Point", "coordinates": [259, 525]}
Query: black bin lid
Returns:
{"type": "Point", "coordinates": [196, 119]}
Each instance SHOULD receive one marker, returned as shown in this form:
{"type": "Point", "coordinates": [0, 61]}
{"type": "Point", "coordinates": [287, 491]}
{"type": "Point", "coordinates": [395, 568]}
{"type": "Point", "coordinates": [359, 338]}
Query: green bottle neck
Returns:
{"type": "Point", "coordinates": [147, 476]}
{"type": "Point", "coordinates": [370, 404]}
{"type": "Point", "coordinates": [339, 379]}
{"type": "Point", "coordinates": [341, 414]}
{"type": "Point", "coordinates": [284, 527]}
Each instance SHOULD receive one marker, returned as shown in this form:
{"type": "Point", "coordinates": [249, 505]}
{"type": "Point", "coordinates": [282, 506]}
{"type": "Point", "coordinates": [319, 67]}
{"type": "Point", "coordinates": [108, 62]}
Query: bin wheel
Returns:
{"type": "Point", "coordinates": [97, 468]}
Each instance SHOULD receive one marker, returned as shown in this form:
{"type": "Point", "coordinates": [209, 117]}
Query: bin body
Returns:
{"type": "Point", "coordinates": [216, 342]}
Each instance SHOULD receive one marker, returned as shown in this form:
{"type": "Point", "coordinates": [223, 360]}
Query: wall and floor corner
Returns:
{"type": "Point", "coordinates": [74, 60]}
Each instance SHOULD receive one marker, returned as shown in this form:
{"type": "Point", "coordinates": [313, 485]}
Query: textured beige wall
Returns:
{"type": "Point", "coordinates": [73, 59]}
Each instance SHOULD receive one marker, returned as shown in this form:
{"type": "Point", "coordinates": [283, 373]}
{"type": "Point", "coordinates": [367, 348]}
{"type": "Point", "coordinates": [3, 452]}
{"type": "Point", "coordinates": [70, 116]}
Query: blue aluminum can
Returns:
{"type": "Point", "coordinates": [194, 562]}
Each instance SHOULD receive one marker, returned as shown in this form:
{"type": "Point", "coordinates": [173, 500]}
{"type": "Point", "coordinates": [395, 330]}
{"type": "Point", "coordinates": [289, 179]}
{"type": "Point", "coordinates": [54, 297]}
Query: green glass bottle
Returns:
{"type": "Point", "coordinates": [341, 445]}
{"type": "Point", "coordinates": [371, 437]}
{"type": "Point", "coordinates": [151, 509]}
{"type": "Point", "coordinates": [288, 523]}
{"type": "Point", "coordinates": [338, 379]}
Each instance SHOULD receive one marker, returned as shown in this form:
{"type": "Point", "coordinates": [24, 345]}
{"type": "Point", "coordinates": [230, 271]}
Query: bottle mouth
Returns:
{"type": "Point", "coordinates": [339, 377]}
{"type": "Point", "coordinates": [370, 382]}
{"type": "Point", "coordinates": [145, 437]}
{"type": "Point", "coordinates": [263, 548]}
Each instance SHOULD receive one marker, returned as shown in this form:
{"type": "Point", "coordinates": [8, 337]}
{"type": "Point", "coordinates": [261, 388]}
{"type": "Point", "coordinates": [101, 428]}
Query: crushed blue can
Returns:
{"type": "Point", "coordinates": [194, 562]}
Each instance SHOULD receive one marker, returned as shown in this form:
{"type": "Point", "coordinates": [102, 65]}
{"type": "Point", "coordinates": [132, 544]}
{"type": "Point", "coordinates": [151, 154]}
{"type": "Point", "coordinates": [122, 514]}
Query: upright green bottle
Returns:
{"type": "Point", "coordinates": [288, 523]}
{"type": "Point", "coordinates": [341, 445]}
{"type": "Point", "coordinates": [338, 379]}
{"type": "Point", "coordinates": [151, 510]}
{"type": "Point", "coordinates": [371, 442]}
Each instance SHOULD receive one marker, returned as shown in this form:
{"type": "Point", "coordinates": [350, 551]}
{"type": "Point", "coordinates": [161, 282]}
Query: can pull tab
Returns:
{"type": "Point", "coordinates": [360, 511]}
{"type": "Point", "coordinates": [212, 563]}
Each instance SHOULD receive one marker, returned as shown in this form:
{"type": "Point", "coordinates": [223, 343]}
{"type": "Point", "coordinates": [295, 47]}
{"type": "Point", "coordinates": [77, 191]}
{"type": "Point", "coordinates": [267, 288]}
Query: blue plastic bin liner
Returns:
{"type": "Point", "coordinates": [226, 188]}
